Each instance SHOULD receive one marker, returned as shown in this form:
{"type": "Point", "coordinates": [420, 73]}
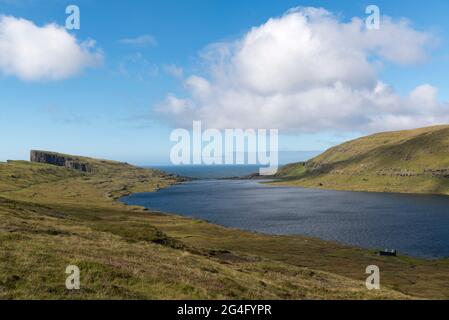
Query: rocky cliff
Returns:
{"type": "Point", "coordinates": [61, 160]}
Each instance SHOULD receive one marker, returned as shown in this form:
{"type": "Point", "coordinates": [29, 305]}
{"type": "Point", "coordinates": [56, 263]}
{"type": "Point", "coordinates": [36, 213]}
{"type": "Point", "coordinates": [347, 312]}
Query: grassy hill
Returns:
{"type": "Point", "coordinates": [411, 161]}
{"type": "Point", "coordinates": [54, 216]}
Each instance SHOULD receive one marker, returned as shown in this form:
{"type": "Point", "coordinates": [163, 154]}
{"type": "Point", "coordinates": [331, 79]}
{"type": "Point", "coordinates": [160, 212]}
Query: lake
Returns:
{"type": "Point", "coordinates": [210, 172]}
{"type": "Point", "coordinates": [415, 225]}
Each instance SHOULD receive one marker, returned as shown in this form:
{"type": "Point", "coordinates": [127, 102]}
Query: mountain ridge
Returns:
{"type": "Point", "coordinates": [407, 161]}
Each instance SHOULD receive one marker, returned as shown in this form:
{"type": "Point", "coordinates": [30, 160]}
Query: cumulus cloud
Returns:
{"type": "Point", "coordinates": [308, 71]}
{"type": "Point", "coordinates": [34, 53]}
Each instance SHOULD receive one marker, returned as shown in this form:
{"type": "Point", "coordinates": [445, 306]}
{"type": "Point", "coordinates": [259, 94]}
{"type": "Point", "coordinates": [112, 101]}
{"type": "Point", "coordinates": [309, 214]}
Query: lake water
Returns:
{"type": "Point", "coordinates": [415, 225]}
{"type": "Point", "coordinates": [210, 172]}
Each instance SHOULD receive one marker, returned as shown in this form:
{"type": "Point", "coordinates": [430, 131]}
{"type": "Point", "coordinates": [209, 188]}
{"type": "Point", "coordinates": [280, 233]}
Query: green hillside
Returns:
{"type": "Point", "coordinates": [53, 216]}
{"type": "Point", "coordinates": [411, 161]}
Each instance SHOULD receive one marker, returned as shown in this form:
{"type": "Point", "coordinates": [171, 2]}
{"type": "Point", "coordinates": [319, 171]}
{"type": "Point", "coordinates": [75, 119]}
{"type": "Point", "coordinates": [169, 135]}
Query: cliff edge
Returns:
{"type": "Point", "coordinates": [61, 160]}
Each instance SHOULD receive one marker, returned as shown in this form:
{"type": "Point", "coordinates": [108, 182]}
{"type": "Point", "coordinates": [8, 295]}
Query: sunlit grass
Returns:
{"type": "Point", "coordinates": [52, 217]}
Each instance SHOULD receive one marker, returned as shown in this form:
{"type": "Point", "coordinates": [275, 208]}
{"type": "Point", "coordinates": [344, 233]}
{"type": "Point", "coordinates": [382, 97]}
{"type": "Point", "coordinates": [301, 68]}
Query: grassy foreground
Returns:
{"type": "Point", "coordinates": [52, 217]}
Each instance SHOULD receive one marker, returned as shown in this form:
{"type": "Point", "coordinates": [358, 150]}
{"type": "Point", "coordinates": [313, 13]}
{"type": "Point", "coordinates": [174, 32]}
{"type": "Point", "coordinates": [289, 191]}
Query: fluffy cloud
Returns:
{"type": "Point", "coordinates": [307, 71]}
{"type": "Point", "coordinates": [34, 53]}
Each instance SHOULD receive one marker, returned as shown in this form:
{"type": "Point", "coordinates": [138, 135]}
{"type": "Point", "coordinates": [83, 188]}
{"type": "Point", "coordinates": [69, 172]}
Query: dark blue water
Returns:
{"type": "Point", "coordinates": [416, 225]}
{"type": "Point", "coordinates": [210, 172]}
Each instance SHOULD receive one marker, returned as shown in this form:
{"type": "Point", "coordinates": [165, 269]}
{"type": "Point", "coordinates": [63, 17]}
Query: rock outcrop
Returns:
{"type": "Point", "coordinates": [61, 160]}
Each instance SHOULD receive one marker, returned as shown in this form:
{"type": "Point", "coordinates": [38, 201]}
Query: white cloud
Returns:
{"type": "Point", "coordinates": [175, 106]}
{"type": "Point", "coordinates": [143, 40]}
{"type": "Point", "coordinates": [174, 71]}
{"type": "Point", "coordinates": [33, 53]}
{"type": "Point", "coordinates": [199, 87]}
{"type": "Point", "coordinates": [307, 71]}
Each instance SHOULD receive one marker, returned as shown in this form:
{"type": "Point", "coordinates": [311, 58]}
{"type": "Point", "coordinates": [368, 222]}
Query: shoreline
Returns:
{"type": "Point", "coordinates": [299, 236]}
{"type": "Point", "coordinates": [285, 183]}
{"type": "Point", "coordinates": [316, 249]}
{"type": "Point", "coordinates": [61, 210]}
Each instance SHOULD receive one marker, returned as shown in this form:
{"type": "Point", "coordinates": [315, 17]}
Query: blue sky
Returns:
{"type": "Point", "coordinates": [109, 110]}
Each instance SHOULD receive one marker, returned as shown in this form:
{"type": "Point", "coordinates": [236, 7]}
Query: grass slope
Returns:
{"type": "Point", "coordinates": [52, 217]}
{"type": "Point", "coordinates": [412, 161]}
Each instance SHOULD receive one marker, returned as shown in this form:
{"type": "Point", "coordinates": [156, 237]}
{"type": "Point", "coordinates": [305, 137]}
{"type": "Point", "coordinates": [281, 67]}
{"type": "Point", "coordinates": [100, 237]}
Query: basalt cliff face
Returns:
{"type": "Point", "coordinates": [59, 160]}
